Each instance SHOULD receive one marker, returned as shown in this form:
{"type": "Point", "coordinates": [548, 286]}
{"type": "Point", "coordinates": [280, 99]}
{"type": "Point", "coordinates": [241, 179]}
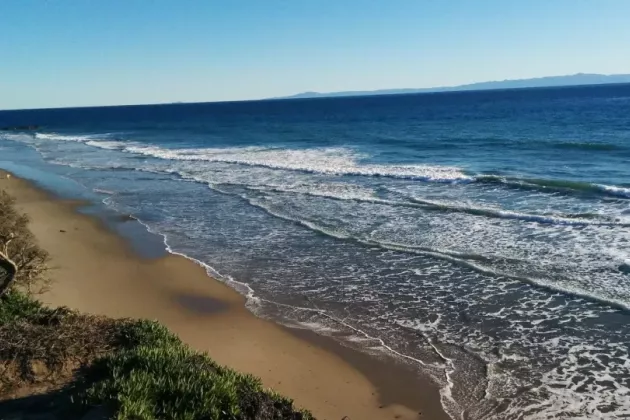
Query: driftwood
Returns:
{"type": "Point", "coordinates": [22, 261]}
{"type": "Point", "coordinates": [8, 269]}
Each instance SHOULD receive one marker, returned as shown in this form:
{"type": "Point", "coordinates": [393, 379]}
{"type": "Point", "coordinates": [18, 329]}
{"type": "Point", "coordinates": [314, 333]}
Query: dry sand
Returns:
{"type": "Point", "coordinates": [97, 271]}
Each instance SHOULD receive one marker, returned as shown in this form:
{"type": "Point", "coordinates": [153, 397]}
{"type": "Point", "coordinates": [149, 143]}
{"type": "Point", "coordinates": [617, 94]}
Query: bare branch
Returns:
{"type": "Point", "coordinates": [22, 262]}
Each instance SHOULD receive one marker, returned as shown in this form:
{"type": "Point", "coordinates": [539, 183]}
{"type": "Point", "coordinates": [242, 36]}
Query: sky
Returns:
{"type": "Point", "coordinates": [59, 53]}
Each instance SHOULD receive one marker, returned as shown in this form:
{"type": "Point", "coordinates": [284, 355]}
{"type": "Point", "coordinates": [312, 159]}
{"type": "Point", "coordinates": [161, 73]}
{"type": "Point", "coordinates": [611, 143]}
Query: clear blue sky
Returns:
{"type": "Point", "coordinates": [78, 52]}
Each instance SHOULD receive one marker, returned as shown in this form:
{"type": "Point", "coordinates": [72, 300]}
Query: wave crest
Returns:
{"type": "Point", "coordinates": [556, 185]}
{"type": "Point", "coordinates": [337, 161]}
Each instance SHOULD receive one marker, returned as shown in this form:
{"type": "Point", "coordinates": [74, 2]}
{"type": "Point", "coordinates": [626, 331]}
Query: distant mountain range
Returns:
{"type": "Point", "coordinates": [550, 81]}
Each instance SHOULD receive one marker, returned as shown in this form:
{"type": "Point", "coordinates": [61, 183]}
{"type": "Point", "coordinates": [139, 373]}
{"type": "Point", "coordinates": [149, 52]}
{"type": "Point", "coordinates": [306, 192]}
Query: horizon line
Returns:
{"type": "Point", "coordinates": [359, 93]}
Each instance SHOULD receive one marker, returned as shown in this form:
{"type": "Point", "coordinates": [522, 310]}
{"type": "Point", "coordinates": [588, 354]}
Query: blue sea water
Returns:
{"type": "Point", "coordinates": [481, 237]}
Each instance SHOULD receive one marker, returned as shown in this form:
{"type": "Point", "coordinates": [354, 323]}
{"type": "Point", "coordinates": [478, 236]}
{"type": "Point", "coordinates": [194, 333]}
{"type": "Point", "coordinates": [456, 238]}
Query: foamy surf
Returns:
{"type": "Point", "coordinates": [478, 262]}
{"type": "Point", "coordinates": [556, 185]}
{"type": "Point", "coordinates": [333, 161]}
{"type": "Point", "coordinates": [61, 137]}
{"type": "Point", "coordinates": [327, 161]}
{"type": "Point", "coordinates": [594, 219]}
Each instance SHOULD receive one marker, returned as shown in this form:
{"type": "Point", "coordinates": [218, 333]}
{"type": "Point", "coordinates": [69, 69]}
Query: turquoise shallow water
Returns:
{"type": "Point", "coordinates": [483, 237]}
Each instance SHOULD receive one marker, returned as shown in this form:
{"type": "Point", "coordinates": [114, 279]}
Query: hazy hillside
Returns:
{"type": "Point", "coordinates": [570, 80]}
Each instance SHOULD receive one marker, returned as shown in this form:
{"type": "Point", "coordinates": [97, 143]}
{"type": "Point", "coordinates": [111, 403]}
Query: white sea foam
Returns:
{"type": "Point", "coordinates": [510, 214]}
{"type": "Point", "coordinates": [109, 145]}
{"type": "Point", "coordinates": [568, 393]}
{"type": "Point", "coordinates": [481, 262]}
{"type": "Point", "coordinates": [316, 326]}
{"type": "Point", "coordinates": [342, 191]}
{"type": "Point", "coordinates": [18, 137]}
{"type": "Point", "coordinates": [61, 137]}
{"type": "Point", "coordinates": [329, 161]}
{"type": "Point", "coordinates": [613, 190]}
{"type": "Point", "coordinates": [622, 257]}
{"type": "Point", "coordinates": [103, 191]}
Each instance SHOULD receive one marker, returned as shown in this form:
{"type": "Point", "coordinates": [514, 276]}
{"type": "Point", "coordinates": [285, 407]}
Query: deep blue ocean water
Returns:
{"type": "Point", "coordinates": [481, 237]}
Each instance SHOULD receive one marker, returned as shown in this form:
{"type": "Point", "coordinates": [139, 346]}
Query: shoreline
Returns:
{"type": "Point", "coordinates": [97, 271]}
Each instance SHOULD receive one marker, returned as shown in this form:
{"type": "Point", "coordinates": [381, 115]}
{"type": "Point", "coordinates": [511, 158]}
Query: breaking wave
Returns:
{"type": "Point", "coordinates": [338, 161]}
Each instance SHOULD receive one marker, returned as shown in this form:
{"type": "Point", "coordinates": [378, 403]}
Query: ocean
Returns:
{"type": "Point", "coordinates": [482, 238]}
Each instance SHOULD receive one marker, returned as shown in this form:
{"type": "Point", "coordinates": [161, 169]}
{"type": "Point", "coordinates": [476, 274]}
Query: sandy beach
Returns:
{"type": "Point", "coordinates": [96, 271]}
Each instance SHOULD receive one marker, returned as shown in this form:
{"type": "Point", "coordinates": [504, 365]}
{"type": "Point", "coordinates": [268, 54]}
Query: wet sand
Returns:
{"type": "Point", "coordinates": [97, 271]}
